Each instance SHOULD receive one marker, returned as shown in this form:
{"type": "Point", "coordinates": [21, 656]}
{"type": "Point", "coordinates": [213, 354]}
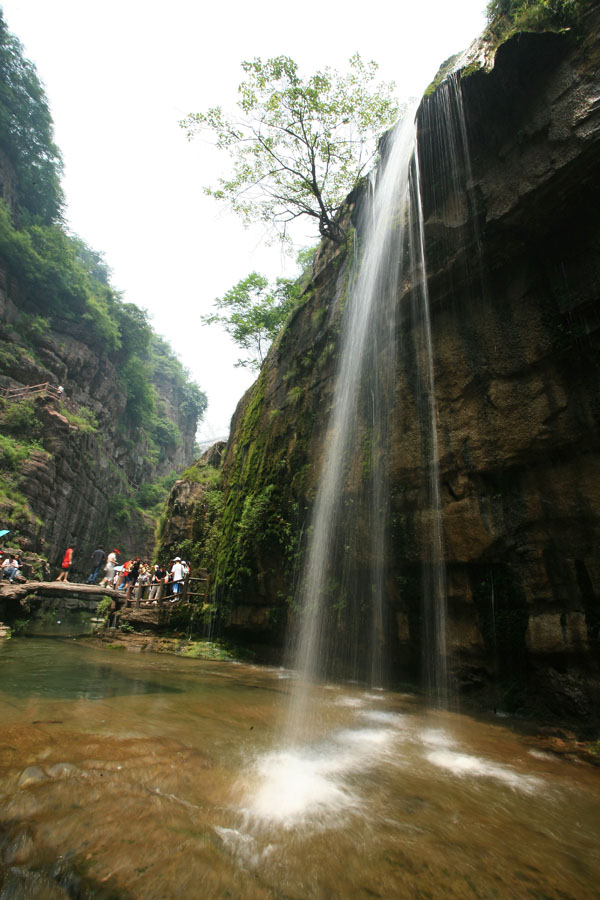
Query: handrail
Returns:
{"type": "Point", "coordinates": [45, 388]}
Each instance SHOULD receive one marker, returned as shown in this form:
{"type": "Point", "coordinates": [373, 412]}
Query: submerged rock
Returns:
{"type": "Point", "coordinates": [32, 775]}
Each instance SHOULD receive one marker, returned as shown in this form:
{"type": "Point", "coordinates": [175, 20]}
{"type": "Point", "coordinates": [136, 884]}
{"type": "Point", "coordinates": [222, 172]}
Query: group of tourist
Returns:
{"type": "Point", "coordinates": [135, 577]}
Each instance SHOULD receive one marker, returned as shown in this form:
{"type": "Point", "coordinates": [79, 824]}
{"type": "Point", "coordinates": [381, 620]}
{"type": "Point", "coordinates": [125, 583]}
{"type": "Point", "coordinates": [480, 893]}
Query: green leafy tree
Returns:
{"type": "Point", "coordinates": [298, 146]}
{"type": "Point", "coordinates": [26, 133]}
{"type": "Point", "coordinates": [254, 313]}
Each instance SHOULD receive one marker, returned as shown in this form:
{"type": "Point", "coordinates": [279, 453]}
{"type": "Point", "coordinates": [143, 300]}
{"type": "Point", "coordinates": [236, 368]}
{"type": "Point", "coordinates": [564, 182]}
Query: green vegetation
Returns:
{"type": "Point", "coordinates": [252, 534]}
{"type": "Point", "coordinates": [209, 650]}
{"type": "Point", "coordinates": [85, 419]}
{"type": "Point", "coordinates": [64, 281]}
{"type": "Point", "coordinates": [65, 285]}
{"type": "Point", "coordinates": [147, 500]}
{"type": "Point", "coordinates": [26, 134]}
{"type": "Point", "coordinates": [248, 528]}
{"type": "Point", "coordinates": [20, 418]}
{"type": "Point", "coordinates": [103, 607]}
{"type": "Point", "coordinates": [56, 284]}
{"type": "Point", "coordinates": [202, 473]}
{"type": "Point", "coordinates": [13, 453]}
{"type": "Point", "coordinates": [442, 72]}
{"type": "Point", "coordinates": [200, 548]}
{"type": "Point", "coordinates": [19, 445]}
{"type": "Point", "coordinates": [506, 17]}
{"type": "Point", "coordinates": [151, 496]}
{"type": "Point", "coordinates": [298, 146]}
{"type": "Point", "coordinates": [256, 311]}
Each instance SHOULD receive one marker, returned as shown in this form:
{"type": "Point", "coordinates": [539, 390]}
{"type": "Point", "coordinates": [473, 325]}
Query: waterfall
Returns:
{"type": "Point", "coordinates": [342, 620]}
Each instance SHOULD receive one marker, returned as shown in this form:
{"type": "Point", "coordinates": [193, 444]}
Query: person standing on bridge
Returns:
{"type": "Point", "coordinates": [132, 577]}
{"type": "Point", "coordinates": [98, 557]}
{"type": "Point", "coordinates": [178, 573]}
{"type": "Point", "coordinates": [66, 565]}
{"type": "Point", "coordinates": [109, 571]}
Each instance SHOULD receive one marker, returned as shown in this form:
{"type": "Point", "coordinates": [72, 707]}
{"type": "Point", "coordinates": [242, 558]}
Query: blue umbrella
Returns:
{"type": "Point", "coordinates": [4, 531]}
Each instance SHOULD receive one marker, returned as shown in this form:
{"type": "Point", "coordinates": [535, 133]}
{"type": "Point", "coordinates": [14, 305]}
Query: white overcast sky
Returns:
{"type": "Point", "coordinates": [120, 74]}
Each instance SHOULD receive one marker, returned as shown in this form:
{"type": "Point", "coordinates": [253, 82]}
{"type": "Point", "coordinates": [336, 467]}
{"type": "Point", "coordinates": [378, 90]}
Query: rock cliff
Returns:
{"type": "Point", "coordinates": [88, 459]}
{"type": "Point", "coordinates": [512, 245]}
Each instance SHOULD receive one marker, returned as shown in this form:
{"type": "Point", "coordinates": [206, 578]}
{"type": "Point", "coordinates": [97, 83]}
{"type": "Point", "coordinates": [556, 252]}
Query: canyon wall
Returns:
{"type": "Point", "coordinates": [78, 485]}
{"type": "Point", "coordinates": [512, 239]}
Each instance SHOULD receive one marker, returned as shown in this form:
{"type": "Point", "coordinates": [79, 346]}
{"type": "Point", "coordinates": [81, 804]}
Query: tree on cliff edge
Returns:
{"type": "Point", "coordinates": [298, 146]}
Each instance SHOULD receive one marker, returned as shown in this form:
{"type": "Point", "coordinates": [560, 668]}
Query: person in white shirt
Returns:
{"type": "Point", "coordinates": [8, 569]}
{"type": "Point", "coordinates": [178, 574]}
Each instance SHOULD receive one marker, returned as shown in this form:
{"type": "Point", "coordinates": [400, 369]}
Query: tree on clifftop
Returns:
{"type": "Point", "coordinates": [298, 146]}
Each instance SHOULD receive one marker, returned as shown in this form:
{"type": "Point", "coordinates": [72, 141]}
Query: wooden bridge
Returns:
{"type": "Point", "coordinates": [138, 609]}
{"type": "Point", "coordinates": [21, 590]}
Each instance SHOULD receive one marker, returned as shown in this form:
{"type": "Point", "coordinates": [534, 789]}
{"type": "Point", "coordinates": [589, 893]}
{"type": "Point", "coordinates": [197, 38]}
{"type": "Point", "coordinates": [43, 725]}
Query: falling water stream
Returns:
{"type": "Point", "coordinates": [350, 522]}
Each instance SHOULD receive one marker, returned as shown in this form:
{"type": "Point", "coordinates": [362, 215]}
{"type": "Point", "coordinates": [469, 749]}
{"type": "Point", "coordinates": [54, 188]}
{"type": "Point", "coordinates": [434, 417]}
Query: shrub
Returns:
{"type": "Point", "coordinates": [508, 16]}
{"type": "Point", "coordinates": [21, 418]}
{"type": "Point", "coordinates": [85, 419]}
{"type": "Point", "coordinates": [12, 454]}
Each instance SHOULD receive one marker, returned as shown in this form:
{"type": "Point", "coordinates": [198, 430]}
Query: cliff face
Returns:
{"type": "Point", "coordinates": [90, 458]}
{"type": "Point", "coordinates": [514, 286]}
{"type": "Point", "coordinates": [512, 245]}
{"type": "Point", "coordinates": [190, 509]}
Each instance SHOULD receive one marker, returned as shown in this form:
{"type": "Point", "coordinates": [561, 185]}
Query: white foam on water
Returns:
{"type": "Point", "coordinates": [364, 737]}
{"type": "Point", "coordinates": [462, 765]}
{"type": "Point", "coordinates": [353, 702]}
{"type": "Point", "coordinates": [384, 718]}
{"type": "Point", "coordinates": [435, 737]}
{"type": "Point", "coordinates": [294, 787]}
{"type": "Point", "coordinates": [308, 785]}
{"type": "Point", "coordinates": [379, 695]}
{"type": "Point", "coordinates": [543, 754]}
{"type": "Point", "coordinates": [243, 846]}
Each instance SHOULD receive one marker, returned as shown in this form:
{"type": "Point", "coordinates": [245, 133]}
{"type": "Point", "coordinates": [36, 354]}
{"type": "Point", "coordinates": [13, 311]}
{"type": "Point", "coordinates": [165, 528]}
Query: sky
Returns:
{"type": "Point", "coordinates": [121, 74]}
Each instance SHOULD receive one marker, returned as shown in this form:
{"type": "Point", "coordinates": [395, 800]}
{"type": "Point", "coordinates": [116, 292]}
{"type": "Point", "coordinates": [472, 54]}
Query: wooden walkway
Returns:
{"type": "Point", "coordinates": [141, 613]}
{"type": "Point", "coordinates": [195, 590]}
{"type": "Point", "coordinates": [32, 390]}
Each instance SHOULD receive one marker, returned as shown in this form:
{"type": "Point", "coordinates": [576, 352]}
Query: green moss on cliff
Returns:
{"type": "Point", "coordinates": [507, 17]}
{"type": "Point", "coordinates": [442, 72]}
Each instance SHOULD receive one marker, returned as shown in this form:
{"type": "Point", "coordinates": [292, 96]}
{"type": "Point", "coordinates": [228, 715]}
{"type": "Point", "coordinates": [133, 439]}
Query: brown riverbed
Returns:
{"type": "Point", "coordinates": [158, 776]}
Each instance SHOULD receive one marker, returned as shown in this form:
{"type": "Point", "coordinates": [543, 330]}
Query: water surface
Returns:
{"type": "Point", "coordinates": [162, 777]}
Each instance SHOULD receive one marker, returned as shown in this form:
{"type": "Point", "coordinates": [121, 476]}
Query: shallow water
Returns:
{"type": "Point", "coordinates": [160, 777]}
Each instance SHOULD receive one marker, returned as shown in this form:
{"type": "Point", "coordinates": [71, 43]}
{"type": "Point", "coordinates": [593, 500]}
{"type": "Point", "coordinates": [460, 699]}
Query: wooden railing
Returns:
{"type": "Point", "coordinates": [195, 589]}
{"type": "Point", "coordinates": [32, 390]}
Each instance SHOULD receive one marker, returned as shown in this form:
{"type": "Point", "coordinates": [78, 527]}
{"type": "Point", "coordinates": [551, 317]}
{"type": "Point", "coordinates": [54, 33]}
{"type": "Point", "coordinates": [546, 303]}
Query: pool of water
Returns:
{"type": "Point", "coordinates": [60, 622]}
{"type": "Point", "coordinates": [159, 777]}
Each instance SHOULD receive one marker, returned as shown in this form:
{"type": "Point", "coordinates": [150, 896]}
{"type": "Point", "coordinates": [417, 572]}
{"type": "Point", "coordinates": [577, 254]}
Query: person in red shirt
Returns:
{"type": "Point", "coordinates": [66, 565]}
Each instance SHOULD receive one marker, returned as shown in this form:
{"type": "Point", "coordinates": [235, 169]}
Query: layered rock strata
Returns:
{"type": "Point", "coordinates": [74, 484]}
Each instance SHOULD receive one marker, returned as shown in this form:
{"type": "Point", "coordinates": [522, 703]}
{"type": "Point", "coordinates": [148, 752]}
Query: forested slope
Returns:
{"type": "Point", "coordinates": [94, 465]}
